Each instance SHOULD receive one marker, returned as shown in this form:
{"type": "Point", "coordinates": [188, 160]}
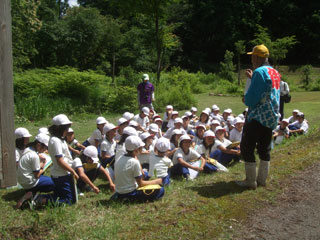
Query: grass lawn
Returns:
{"type": "Point", "coordinates": [210, 207]}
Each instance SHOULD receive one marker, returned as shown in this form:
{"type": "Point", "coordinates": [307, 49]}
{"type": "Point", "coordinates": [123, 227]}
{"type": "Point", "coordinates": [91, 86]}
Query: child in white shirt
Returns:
{"type": "Point", "coordinates": [160, 163]}
{"type": "Point", "coordinates": [128, 175]}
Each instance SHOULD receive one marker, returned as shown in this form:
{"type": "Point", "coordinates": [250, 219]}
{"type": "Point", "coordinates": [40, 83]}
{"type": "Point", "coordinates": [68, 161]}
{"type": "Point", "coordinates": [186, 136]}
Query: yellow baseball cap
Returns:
{"type": "Point", "coordinates": [260, 51]}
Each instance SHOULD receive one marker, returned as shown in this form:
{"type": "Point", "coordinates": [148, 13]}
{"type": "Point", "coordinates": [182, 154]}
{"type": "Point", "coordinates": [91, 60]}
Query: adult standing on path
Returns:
{"type": "Point", "coordinates": [284, 91]}
{"type": "Point", "coordinates": [262, 98]}
{"type": "Point", "coordinates": [145, 93]}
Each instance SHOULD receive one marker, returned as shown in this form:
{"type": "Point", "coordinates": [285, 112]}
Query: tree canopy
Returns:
{"type": "Point", "coordinates": [110, 35]}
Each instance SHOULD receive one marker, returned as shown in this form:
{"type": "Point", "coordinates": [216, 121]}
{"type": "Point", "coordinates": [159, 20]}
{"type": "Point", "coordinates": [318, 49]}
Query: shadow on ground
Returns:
{"type": "Point", "coordinates": [218, 189]}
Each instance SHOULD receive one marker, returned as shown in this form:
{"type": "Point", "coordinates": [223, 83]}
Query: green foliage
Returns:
{"type": "Point", "coordinates": [227, 67]}
{"type": "Point", "coordinates": [278, 48]}
{"type": "Point", "coordinates": [225, 87]}
{"type": "Point", "coordinates": [176, 88]}
{"type": "Point", "coordinates": [306, 71]}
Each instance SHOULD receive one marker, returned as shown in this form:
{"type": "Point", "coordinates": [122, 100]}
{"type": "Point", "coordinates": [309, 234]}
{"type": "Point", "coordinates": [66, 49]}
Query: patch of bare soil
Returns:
{"type": "Point", "coordinates": [296, 214]}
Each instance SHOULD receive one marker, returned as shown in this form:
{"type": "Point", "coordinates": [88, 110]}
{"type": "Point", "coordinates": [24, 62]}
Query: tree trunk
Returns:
{"type": "Point", "coordinates": [113, 66]}
{"type": "Point", "coordinates": [158, 45]}
{"type": "Point", "coordinates": [239, 69]}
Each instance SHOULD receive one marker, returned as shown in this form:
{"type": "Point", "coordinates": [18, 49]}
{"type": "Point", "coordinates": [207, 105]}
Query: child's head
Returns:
{"type": "Point", "coordinates": [238, 123]}
{"type": "Point", "coordinates": [158, 121]}
{"type": "Point", "coordinates": [178, 123]}
{"type": "Point", "coordinates": [110, 130]}
{"type": "Point", "coordinates": [215, 109]}
{"type": "Point", "coordinates": [169, 108]}
{"type": "Point", "coordinates": [22, 136]}
{"type": "Point", "coordinates": [153, 129]}
{"type": "Point", "coordinates": [219, 132]}
{"type": "Point", "coordinates": [127, 131]}
{"type": "Point", "coordinates": [300, 117]}
{"type": "Point", "coordinates": [162, 146]}
{"type": "Point", "coordinates": [133, 145]}
{"type": "Point", "coordinates": [133, 124]}
{"type": "Point", "coordinates": [176, 134]}
{"type": "Point", "coordinates": [204, 116]}
{"type": "Point", "coordinates": [284, 123]}
{"type": "Point", "coordinates": [101, 122]}
{"type": "Point", "coordinates": [145, 111]}
{"type": "Point", "coordinates": [226, 113]}
{"type": "Point", "coordinates": [91, 153]}
{"type": "Point", "coordinates": [213, 124]}
{"type": "Point", "coordinates": [128, 116]}
{"type": "Point", "coordinates": [185, 120]}
{"type": "Point", "coordinates": [185, 142]}
{"type": "Point", "coordinates": [208, 138]}
{"type": "Point", "coordinates": [194, 110]}
{"type": "Point", "coordinates": [41, 142]}
{"type": "Point", "coordinates": [200, 129]}
{"type": "Point", "coordinates": [147, 138]}
{"type": "Point", "coordinates": [174, 114]}
{"type": "Point", "coordinates": [295, 113]}
{"type": "Point", "coordinates": [60, 126]}
{"type": "Point", "coordinates": [70, 135]}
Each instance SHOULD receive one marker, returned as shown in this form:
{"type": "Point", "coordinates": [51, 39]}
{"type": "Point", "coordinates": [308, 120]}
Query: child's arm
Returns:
{"type": "Point", "coordinates": [170, 153]}
{"type": "Point", "coordinates": [229, 151]}
{"type": "Point", "coordinates": [105, 155]}
{"type": "Point", "coordinates": [42, 164]}
{"type": "Point", "coordinates": [143, 183]}
{"type": "Point", "coordinates": [79, 145]}
{"type": "Point", "coordinates": [77, 152]}
{"type": "Point", "coordinates": [85, 178]}
{"type": "Point", "coordinates": [186, 164]}
{"type": "Point", "coordinates": [66, 167]}
{"type": "Point", "coordinates": [106, 174]}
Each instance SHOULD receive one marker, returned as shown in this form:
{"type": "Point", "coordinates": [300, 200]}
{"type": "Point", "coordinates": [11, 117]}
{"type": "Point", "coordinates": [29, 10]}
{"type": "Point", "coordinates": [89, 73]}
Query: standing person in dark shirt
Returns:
{"type": "Point", "coordinates": [145, 93]}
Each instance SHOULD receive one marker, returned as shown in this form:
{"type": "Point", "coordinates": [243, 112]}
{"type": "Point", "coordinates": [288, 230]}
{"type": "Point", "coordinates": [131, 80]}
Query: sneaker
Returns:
{"type": "Point", "coordinates": [188, 178]}
{"type": "Point", "coordinates": [24, 199]}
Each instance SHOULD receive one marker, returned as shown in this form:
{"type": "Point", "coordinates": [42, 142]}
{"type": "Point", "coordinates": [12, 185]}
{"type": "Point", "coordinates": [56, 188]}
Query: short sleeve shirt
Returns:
{"type": "Point", "coordinates": [126, 170]}
{"type": "Point", "coordinates": [108, 147]}
{"type": "Point", "coordinates": [28, 164]}
{"type": "Point", "coordinates": [159, 165]}
{"type": "Point", "coordinates": [235, 135]}
{"type": "Point", "coordinates": [59, 148]}
{"type": "Point", "coordinates": [96, 135]}
{"type": "Point", "coordinates": [191, 155]}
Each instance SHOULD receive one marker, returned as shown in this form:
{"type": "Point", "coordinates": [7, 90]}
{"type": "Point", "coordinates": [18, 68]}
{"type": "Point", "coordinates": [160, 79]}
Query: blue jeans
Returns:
{"type": "Point", "coordinates": [64, 191]}
{"type": "Point", "coordinates": [138, 195]}
{"type": "Point", "coordinates": [45, 184]}
{"type": "Point", "coordinates": [223, 158]}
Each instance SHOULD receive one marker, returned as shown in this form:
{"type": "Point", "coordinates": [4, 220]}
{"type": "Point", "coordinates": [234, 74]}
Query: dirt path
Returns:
{"type": "Point", "coordinates": [296, 214]}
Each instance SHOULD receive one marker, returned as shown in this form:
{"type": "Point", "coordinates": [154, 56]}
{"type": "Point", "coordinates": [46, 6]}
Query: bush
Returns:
{"type": "Point", "coordinates": [226, 87]}
{"type": "Point", "coordinates": [314, 86]}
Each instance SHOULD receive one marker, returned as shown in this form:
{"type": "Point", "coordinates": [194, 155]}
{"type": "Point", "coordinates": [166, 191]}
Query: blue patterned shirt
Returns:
{"type": "Point", "coordinates": [263, 97]}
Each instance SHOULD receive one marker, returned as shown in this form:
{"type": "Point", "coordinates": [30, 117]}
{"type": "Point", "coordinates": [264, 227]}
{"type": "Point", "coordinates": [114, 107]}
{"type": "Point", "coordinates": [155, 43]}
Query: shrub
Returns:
{"type": "Point", "coordinates": [226, 87]}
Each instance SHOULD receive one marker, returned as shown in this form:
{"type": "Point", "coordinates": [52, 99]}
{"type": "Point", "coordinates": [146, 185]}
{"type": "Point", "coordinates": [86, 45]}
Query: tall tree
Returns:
{"type": "Point", "coordinates": [240, 49]}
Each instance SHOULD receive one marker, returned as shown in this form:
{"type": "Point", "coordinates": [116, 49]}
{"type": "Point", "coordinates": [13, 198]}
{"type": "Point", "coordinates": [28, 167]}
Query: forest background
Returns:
{"type": "Point", "coordinates": [90, 57]}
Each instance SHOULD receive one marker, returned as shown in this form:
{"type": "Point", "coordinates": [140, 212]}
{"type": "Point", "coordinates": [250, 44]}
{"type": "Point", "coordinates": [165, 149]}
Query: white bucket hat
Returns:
{"type": "Point", "coordinates": [21, 132]}
{"type": "Point", "coordinates": [215, 107]}
{"type": "Point", "coordinates": [43, 138]}
{"type": "Point", "coordinates": [219, 128]}
{"type": "Point", "coordinates": [184, 137]}
{"type": "Point", "coordinates": [121, 121]}
{"type": "Point", "coordinates": [133, 123]}
{"type": "Point", "coordinates": [130, 131]}
{"type": "Point", "coordinates": [209, 133]}
{"type": "Point", "coordinates": [162, 144]}
{"type": "Point", "coordinates": [61, 119]}
{"type": "Point", "coordinates": [146, 111]}
{"type": "Point", "coordinates": [145, 135]}
{"type": "Point", "coordinates": [101, 120]}
{"type": "Point", "coordinates": [70, 130]}
{"type": "Point", "coordinates": [178, 120]}
{"type": "Point", "coordinates": [145, 77]}
{"type": "Point", "coordinates": [128, 115]}
{"type": "Point", "coordinates": [214, 122]}
{"type": "Point", "coordinates": [193, 109]}
{"type": "Point", "coordinates": [91, 152]}
{"type": "Point", "coordinates": [108, 127]}
{"type": "Point", "coordinates": [154, 127]}
{"type": "Point", "coordinates": [43, 130]}
{"type": "Point", "coordinates": [133, 142]}
{"type": "Point", "coordinates": [228, 110]}
{"type": "Point", "coordinates": [168, 107]}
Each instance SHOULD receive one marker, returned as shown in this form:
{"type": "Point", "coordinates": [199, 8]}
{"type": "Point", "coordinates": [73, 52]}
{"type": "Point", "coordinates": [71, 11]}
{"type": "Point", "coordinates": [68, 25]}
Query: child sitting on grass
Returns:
{"type": "Point", "coordinates": [22, 139]}
{"type": "Point", "coordinates": [73, 144]}
{"type": "Point", "coordinates": [97, 136]}
{"type": "Point", "coordinates": [184, 156]}
{"type": "Point", "coordinates": [89, 169]}
{"type": "Point", "coordinates": [31, 168]}
{"type": "Point", "coordinates": [128, 175]}
{"type": "Point", "coordinates": [159, 163]}
{"type": "Point", "coordinates": [108, 145]}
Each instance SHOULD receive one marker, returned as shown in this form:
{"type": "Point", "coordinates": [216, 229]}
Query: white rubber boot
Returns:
{"type": "Point", "coordinates": [251, 174]}
{"type": "Point", "coordinates": [263, 173]}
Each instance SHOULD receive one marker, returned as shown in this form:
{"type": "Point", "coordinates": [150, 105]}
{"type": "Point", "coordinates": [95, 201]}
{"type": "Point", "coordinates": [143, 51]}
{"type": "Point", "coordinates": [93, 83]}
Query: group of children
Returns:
{"type": "Point", "coordinates": [138, 156]}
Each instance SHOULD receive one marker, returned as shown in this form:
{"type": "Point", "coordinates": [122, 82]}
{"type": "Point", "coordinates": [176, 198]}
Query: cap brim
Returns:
{"type": "Point", "coordinates": [249, 53]}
